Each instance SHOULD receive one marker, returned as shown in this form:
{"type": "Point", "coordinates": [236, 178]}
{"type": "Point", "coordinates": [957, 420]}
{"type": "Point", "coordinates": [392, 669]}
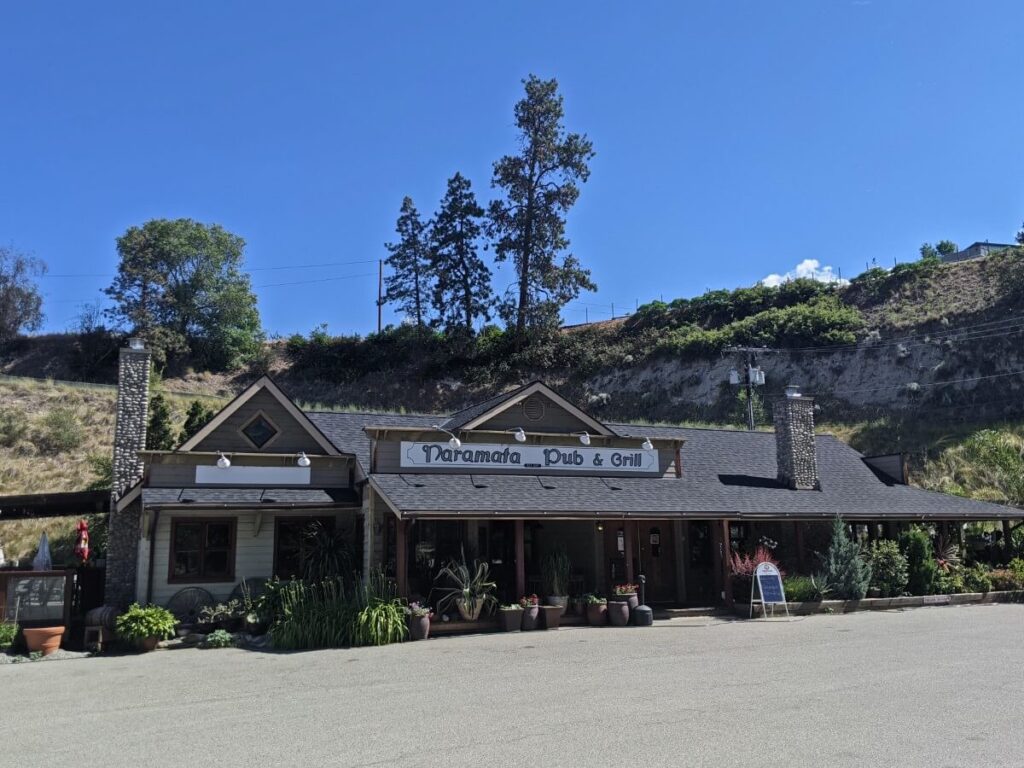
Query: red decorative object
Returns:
{"type": "Point", "coordinates": [82, 544]}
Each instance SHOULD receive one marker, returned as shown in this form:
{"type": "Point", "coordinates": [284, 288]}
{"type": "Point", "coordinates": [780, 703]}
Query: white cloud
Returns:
{"type": "Point", "coordinates": [807, 268]}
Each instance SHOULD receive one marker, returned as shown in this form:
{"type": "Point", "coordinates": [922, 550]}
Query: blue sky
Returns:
{"type": "Point", "coordinates": [734, 139]}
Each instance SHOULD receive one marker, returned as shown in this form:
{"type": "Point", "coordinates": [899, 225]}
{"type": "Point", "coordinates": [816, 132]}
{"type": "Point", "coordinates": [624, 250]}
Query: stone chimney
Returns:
{"type": "Point", "coordinates": [129, 438]}
{"type": "Point", "coordinates": [794, 441]}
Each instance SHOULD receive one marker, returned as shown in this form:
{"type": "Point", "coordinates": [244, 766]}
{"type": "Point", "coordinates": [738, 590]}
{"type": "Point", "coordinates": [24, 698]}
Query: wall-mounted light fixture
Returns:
{"type": "Point", "coordinates": [519, 434]}
{"type": "Point", "coordinates": [223, 462]}
{"type": "Point", "coordinates": [584, 437]}
{"type": "Point", "coordinates": [600, 526]}
{"type": "Point", "coordinates": [303, 459]}
{"type": "Point", "coordinates": [647, 445]}
{"type": "Point", "coordinates": [454, 442]}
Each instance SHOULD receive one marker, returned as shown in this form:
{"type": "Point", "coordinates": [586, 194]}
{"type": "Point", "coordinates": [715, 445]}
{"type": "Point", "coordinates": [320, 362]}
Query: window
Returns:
{"type": "Point", "coordinates": [202, 550]}
{"type": "Point", "coordinates": [259, 430]}
{"type": "Point", "coordinates": [295, 539]}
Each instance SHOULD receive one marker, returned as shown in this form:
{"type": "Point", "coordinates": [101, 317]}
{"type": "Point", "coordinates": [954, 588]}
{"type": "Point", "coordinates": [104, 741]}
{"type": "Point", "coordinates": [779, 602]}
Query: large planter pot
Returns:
{"type": "Point", "coordinates": [469, 611]}
{"type": "Point", "coordinates": [511, 619]}
{"type": "Point", "coordinates": [597, 614]}
{"type": "Point", "coordinates": [530, 617]}
{"type": "Point", "coordinates": [552, 615]}
{"type": "Point", "coordinates": [419, 627]}
{"type": "Point", "coordinates": [147, 644]}
{"type": "Point", "coordinates": [631, 599]}
{"type": "Point", "coordinates": [44, 640]}
{"type": "Point", "coordinates": [618, 613]}
{"type": "Point", "coordinates": [560, 601]}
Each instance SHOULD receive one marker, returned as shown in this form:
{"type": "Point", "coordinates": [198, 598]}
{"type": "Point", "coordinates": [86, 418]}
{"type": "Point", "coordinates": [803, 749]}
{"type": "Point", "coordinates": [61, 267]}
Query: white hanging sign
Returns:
{"type": "Point", "coordinates": [502, 456]}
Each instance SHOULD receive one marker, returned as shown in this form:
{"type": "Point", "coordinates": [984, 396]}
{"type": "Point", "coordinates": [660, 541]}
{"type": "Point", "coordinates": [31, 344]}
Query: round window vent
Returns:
{"type": "Point", "coordinates": [533, 408]}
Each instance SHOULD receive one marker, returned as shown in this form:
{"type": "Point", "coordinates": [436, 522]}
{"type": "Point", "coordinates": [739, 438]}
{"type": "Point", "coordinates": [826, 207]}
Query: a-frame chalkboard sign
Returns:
{"type": "Point", "coordinates": [767, 585]}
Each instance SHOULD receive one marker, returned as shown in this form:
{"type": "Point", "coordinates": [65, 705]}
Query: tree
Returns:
{"type": "Point", "coordinates": [942, 248]}
{"type": "Point", "coordinates": [1020, 235]}
{"type": "Point", "coordinates": [159, 432]}
{"type": "Point", "coordinates": [462, 281]}
{"type": "Point", "coordinates": [846, 571]}
{"type": "Point", "coordinates": [21, 304]}
{"type": "Point", "coordinates": [180, 286]}
{"type": "Point", "coordinates": [197, 417]}
{"type": "Point", "coordinates": [409, 282]}
{"type": "Point", "coordinates": [528, 226]}
{"type": "Point", "coordinates": [922, 569]}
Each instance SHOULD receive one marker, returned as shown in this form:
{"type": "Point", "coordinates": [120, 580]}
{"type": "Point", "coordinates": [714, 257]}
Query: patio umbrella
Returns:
{"type": "Point", "coordinates": [42, 561]}
{"type": "Point", "coordinates": [82, 544]}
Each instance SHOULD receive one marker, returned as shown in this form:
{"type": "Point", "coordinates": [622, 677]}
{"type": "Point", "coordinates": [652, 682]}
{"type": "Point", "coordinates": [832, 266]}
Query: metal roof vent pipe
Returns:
{"type": "Point", "coordinates": [794, 441]}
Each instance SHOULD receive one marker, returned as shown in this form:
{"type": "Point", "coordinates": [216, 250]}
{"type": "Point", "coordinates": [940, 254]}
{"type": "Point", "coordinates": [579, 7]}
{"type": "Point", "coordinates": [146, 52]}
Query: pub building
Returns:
{"type": "Point", "coordinates": [504, 481]}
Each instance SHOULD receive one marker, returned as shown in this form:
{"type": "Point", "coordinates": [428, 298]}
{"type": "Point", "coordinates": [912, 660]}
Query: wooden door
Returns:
{"type": "Point", "coordinates": [700, 563]}
{"type": "Point", "coordinates": [655, 559]}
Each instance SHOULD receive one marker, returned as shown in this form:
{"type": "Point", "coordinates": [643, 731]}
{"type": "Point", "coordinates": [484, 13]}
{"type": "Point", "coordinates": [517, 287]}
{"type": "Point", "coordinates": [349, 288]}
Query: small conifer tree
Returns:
{"type": "Point", "coordinates": [197, 416]}
{"type": "Point", "coordinates": [159, 433]}
{"type": "Point", "coordinates": [849, 575]}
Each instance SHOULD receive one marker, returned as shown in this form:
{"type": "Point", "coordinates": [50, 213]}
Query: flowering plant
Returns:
{"type": "Point", "coordinates": [626, 589]}
{"type": "Point", "coordinates": [511, 607]}
{"type": "Point", "coordinates": [418, 610]}
{"type": "Point", "coordinates": [528, 601]}
{"type": "Point", "coordinates": [592, 599]}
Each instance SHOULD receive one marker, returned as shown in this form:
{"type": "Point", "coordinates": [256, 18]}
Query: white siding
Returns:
{"type": "Point", "coordinates": [254, 554]}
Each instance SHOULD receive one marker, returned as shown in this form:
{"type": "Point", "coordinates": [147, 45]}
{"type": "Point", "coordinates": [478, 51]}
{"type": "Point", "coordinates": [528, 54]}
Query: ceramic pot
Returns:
{"type": "Point", "coordinates": [147, 644]}
{"type": "Point", "coordinates": [552, 615]}
{"type": "Point", "coordinates": [469, 610]}
{"type": "Point", "coordinates": [419, 627]}
{"type": "Point", "coordinates": [561, 601]}
{"type": "Point", "coordinates": [597, 614]}
{"type": "Point", "coordinates": [618, 613]}
{"type": "Point", "coordinates": [631, 598]}
{"type": "Point", "coordinates": [530, 617]}
{"type": "Point", "coordinates": [44, 640]}
{"type": "Point", "coordinates": [511, 619]}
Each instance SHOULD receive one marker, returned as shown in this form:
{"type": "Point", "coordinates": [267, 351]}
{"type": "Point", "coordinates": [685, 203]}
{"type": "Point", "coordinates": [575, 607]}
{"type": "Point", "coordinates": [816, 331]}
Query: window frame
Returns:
{"type": "Point", "coordinates": [260, 413]}
{"type": "Point", "coordinates": [307, 519]}
{"type": "Point", "coordinates": [231, 522]}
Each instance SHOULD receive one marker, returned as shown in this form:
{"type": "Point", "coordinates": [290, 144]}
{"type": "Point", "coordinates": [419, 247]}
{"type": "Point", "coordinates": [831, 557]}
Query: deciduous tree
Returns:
{"type": "Point", "coordinates": [462, 281]}
{"type": "Point", "coordinates": [540, 185]}
{"type": "Point", "coordinates": [408, 285]}
{"type": "Point", "coordinates": [21, 304]}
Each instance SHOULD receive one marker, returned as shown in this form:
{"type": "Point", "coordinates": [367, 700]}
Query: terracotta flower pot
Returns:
{"type": "Point", "coordinates": [552, 615]}
{"type": "Point", "coordinates": [419, 627]}
{"type": "Point", "coordinates": [597, 614]}
{"type": "Point", "coordinates": [43, 640]}
{"type": "Point", "coordinates": [511, 619]}
{"type": "Point", "coordinates": [147, 644]}
{"type": "Point", "coordinates": [618, 613]}
{"type": "Point", "coordinates": [530, 616]}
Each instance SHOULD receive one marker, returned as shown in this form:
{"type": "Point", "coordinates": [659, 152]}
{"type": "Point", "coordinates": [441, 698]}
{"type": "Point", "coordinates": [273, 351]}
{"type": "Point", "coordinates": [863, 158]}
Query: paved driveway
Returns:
{"type": "Point", "coordinates": [931, 687]}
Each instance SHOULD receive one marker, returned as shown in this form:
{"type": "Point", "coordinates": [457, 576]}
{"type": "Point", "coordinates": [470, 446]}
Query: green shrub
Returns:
{"type": "Point", "coordinates": [8, 631]}
{"type": "Point", "coordinates": [381, 622]}
{"type": "Point", "coordinates": [61, 431]}
{"type": "Point", "coordinates": [922, 569]}
{"type": "Point", "coordinates": [950, 581]}
{"type": "Point", "coordinates": [1017, 567]}
{"type": "Point", "coordinates": [976, 579]}
{"type": "Point", "coordinates": [888, 568]}
{"type": "Point", "coordinates": [1003, 579]}
{"type": "Point", "coordinates": [846, 570]}
{"type": "Point", "coordinates": [219, 638]}
{"type": "Point", "coordinates": [138, 623]}
{"type": "Point", "coordinates": [801, 589]}
{"type": "Point", "coordinates": [13, 427]}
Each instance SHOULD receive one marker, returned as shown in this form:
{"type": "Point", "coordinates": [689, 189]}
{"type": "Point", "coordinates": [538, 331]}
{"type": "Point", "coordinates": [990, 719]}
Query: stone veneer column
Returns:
{"type": "Point", "coordinates": [794, 441]}
{"type": "Point", "coordinates": [129, 438]}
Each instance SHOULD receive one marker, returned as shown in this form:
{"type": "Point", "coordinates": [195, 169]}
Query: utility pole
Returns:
{"type": "Point", "coordinates": [380, 291]}
{"type": "Point", "coordinates": [752, 377]}
{"type": "Point", "coordinates": [751, 363]}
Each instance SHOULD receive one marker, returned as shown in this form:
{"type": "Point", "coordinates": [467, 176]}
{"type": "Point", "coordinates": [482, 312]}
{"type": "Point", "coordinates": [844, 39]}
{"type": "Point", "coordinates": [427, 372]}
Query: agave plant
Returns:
{"type": "Point", "coordinates": [468, 587]}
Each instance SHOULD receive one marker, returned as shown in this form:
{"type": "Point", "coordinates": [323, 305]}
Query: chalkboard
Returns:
{"type": "Point", "coordinates": [769, 583]}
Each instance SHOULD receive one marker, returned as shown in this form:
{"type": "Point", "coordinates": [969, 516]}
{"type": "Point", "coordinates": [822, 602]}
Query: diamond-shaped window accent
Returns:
{"type": "Point", "coordinates": [259, 431]}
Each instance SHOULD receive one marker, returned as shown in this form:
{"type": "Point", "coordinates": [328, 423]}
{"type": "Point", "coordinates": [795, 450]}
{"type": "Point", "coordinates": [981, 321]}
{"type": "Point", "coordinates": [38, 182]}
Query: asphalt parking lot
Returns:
{"type": "Point", "coordinates": [929, 687]}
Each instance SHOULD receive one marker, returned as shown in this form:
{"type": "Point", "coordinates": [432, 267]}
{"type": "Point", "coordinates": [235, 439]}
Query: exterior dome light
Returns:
{"type": "Point", "coordinates": [585, 438]}
{"type": "Point", "coordinates": [520, 435]}
{"type": "Point", "coordinates": [647, 445]}
{"type": "Point", "coordinates": [303, 460]}
{"type": "Point", "coordinates": [455, 443]}
{"type": "Point", "coordinates": [223, 462]}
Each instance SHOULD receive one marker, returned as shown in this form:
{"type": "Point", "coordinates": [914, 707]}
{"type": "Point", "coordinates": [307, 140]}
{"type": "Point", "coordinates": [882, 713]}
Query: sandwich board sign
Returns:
{"type": "Point", "coordinates": [768, 586]}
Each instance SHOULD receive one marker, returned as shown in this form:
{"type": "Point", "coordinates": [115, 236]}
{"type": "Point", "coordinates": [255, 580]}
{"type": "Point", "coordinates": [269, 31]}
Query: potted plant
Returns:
{"type": "Point", "coordinates": [556, 569]}
{"type": "Point", "coordinates": [44, 640]}
{"type": "Point", "coordinates": [469, 589]}
{"type": "Point", "coordinates": [418, 619]}
{"type": "Point", "coordinates": [627, 592]}
{"type": "Point", "coordinates": [552, 615]}
{"type": "Point", "coordinates": [597, 610]}
{"type": "Point", "coordinates": [618, 612]}
{"type": "Point", "coordinates": [146, 627]}
{"type": "Point", "coordinates": [511, 617]}
{"type": "Point", "coordinates": [531, 610]}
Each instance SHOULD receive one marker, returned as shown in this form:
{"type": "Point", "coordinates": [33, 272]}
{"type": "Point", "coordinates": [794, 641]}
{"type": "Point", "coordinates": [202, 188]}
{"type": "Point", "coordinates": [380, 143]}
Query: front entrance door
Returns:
{"type": "Point", "coordinates": [501, 553]}
{"type": "Point", "coordinates": [700, 563]}
{"type": "Point", "coordinates": [655, 559]}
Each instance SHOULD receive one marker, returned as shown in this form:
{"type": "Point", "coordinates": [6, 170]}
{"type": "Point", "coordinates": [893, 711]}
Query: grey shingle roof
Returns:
{"type": "Point", "coordinates": [157, 497]}
{"type": "Point", "coordinates": [346, 430]}
{"type": "Point", "coordinates": [725, 473]}
{"type": "Point", "coordinates": [466, 415]}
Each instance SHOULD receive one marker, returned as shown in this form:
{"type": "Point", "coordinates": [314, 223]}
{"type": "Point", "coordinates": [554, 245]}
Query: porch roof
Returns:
{"type": "Point", "coordinates": [248, 497]}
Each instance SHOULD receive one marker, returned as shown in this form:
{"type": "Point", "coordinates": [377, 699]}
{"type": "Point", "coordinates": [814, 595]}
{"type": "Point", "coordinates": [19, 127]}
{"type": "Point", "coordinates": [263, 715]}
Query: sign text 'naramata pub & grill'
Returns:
{"type": "Point", "coordinates": [495, 456]}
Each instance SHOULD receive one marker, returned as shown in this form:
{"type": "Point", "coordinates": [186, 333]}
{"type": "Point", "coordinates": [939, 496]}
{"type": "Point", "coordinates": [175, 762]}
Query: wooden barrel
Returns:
{"type": "Point", "coordinates": [104, 616]}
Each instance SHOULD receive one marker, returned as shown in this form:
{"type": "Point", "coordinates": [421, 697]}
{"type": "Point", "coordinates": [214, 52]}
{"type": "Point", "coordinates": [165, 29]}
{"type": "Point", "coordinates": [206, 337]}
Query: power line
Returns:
{"type": "Point", "coordinates": [320, 280]}
{"type": "Point", "coordinates": [933, 384]}
{"type": "Point", "coordinates": [248, 269]}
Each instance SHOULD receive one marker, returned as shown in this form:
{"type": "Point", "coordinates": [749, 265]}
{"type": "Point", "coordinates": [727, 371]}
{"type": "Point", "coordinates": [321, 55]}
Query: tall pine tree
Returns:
{"type": "Point", "coordinates": [159, 432]}
{"type": "Point", "coordinates": [528, 225]}
{"type": "Point", "coordinates": [408, 285]}
{"type": "Point", "coordinates": [462, 281]}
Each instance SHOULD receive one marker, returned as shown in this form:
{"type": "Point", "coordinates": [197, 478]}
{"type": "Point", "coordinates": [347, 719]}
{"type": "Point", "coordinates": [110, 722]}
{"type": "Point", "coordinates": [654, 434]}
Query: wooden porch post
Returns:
{"type": "Point", "coordinates": [798, 538]}
{"type": "Point", "coordinates": [401, 557]}
{"type": "Point", "coordinates": [627, 526]}
{"type": "Point", "coordinates": [520, 559]}
{"type": "Point", "coordinates": [726, 556]}
{"type": "Point", "coordinates": [1007, 546]}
